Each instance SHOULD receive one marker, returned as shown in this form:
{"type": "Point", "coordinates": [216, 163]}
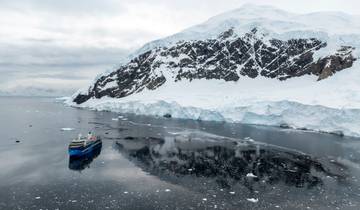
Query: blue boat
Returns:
{"type": "Point", "coordinates": [79, 163]}
{"type": "Point", "coordinates": [83, 146]}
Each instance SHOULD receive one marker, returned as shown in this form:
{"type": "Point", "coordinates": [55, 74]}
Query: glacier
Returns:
{"type": "Point", "coordinates": [326, 106]}
{"type": "Point", "coordinates": [331, 105]}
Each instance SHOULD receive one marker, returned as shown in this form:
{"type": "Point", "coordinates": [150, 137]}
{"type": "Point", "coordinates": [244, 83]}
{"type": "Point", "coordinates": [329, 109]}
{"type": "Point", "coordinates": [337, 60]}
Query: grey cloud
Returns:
{"type": "Point", "coordinates": [66, 7]}
{"type": "Point", "coordinates": [54, 55]}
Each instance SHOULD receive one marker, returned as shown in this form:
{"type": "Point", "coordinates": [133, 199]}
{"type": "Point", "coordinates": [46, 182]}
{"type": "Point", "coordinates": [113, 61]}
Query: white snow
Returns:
{"type": "Point", "coordinates": [278, 23]}
{"type": "Point", "coordinates": [111, 84]}
{"type": "Point", "coordinates": [330, 105]}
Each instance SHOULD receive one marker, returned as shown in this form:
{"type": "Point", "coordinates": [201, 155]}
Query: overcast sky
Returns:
{"type": "Point", "coordinates": [55, 47]}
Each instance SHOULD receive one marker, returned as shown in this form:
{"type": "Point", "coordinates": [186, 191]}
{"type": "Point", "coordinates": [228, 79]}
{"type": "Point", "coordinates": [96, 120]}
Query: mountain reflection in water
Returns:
{"type": "Point", "coordinates": [227, 161]}
{"type": "Point", "coordinates": [80, 163]}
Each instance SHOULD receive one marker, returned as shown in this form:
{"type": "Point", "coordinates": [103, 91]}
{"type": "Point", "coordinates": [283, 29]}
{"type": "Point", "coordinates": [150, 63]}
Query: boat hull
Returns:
{"type": "Point", "coordinates": [83, 151]}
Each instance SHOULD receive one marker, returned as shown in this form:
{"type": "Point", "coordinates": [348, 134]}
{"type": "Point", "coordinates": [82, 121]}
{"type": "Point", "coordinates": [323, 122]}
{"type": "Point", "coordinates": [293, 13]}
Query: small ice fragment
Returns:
{"type": "Point", "coordinates": [67, 129]}
{"type": "Point", "coordinates": [126, 192]}
{"type": "Point", "coordinates": [253, 200]}
{"type": "Point", "coordinates": [37, 198]}
{"type": "Point", "coordinates": [277, 206]}
{"type": "Point", "coordinates": [115, 119]}
{"type": "Point", "coordinates": [74, 201]}
{"type": "Point", "coordinates": [249, 139]}
{"type": "Point", "coordinates": [232, 193]}
{"type": "Point", "coordinates": [120, 117]}
{"type": "Point", "coordinates": [204, 199]}
{"type": "Point", "coordinates": [251, 175]}
{"type": "Point", "coordinates": [167, 190]}
{"type": "Point", "coordinates": [190, 169]}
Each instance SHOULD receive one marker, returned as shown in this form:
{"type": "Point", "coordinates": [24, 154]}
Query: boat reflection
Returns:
{"type": "Point", "coordinates": [227, 162]}
{"type": "Point", "coordinates": [84, 161]}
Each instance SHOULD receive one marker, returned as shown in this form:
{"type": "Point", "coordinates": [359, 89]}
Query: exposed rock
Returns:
{"type": "Point", "coordinates": [285, 126]}
{"type": "Point", "coordinates": [341, 60]}
{"type": "Point", "coordinates": [167, 115]}
{"type": "Point", "coordinates": [227, 58]}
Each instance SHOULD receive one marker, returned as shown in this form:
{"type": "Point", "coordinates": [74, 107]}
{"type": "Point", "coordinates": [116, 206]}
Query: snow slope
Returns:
{"type": "Point", "coordinates": [301, 103]}
{"type": "Point", "coordinates": [337, 27]}
{"type": "Point", "coordinates": [330, 105]}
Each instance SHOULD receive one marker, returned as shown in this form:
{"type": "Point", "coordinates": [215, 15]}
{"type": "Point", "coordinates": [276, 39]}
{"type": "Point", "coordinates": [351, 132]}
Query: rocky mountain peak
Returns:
{"type": "Point", "coordinates": [227, 57]}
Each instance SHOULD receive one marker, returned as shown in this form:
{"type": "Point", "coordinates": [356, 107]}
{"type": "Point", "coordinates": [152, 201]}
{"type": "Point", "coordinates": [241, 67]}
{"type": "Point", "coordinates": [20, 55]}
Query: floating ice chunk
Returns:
{"type": "Point", "coordinates": [232, 193]}
{"type": "Point", "coordinates": [251, 175]}
{"type": "Point", "coordinates": [126, 192]}
{"type": "Point", "coordinates": [37, 198]}
{"type": "Point", "coordinates": [115, 119]}
{"type": "Point", "coordinates": [167, 190]}
{"type": "Point", "coordinates": [253, 200]}
{"type": "Point", "coordinates": [204, 199]}
{"type": "Point", "coordinates": [67, 129]}
{"type": "Point", "coordinates": [248, 138]}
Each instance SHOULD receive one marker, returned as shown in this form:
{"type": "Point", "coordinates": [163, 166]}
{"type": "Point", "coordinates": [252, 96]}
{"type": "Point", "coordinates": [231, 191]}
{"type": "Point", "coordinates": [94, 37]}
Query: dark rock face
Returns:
{"type": "Point", "coordinates": [228, 58]}
{"type": "Point", "coordinates": [167, 115]}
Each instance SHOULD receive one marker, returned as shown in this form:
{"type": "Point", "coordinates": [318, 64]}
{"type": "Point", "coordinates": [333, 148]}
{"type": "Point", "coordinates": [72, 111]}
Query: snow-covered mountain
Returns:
{"type": "Point", "coordinates": [256, 64]}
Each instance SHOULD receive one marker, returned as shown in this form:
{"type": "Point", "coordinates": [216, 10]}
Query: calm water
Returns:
{"type": "Point", "coordinates": [157, 163]}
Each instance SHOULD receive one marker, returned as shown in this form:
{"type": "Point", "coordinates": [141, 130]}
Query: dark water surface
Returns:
{"type": "Point", "coordinates": [157, 163]}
